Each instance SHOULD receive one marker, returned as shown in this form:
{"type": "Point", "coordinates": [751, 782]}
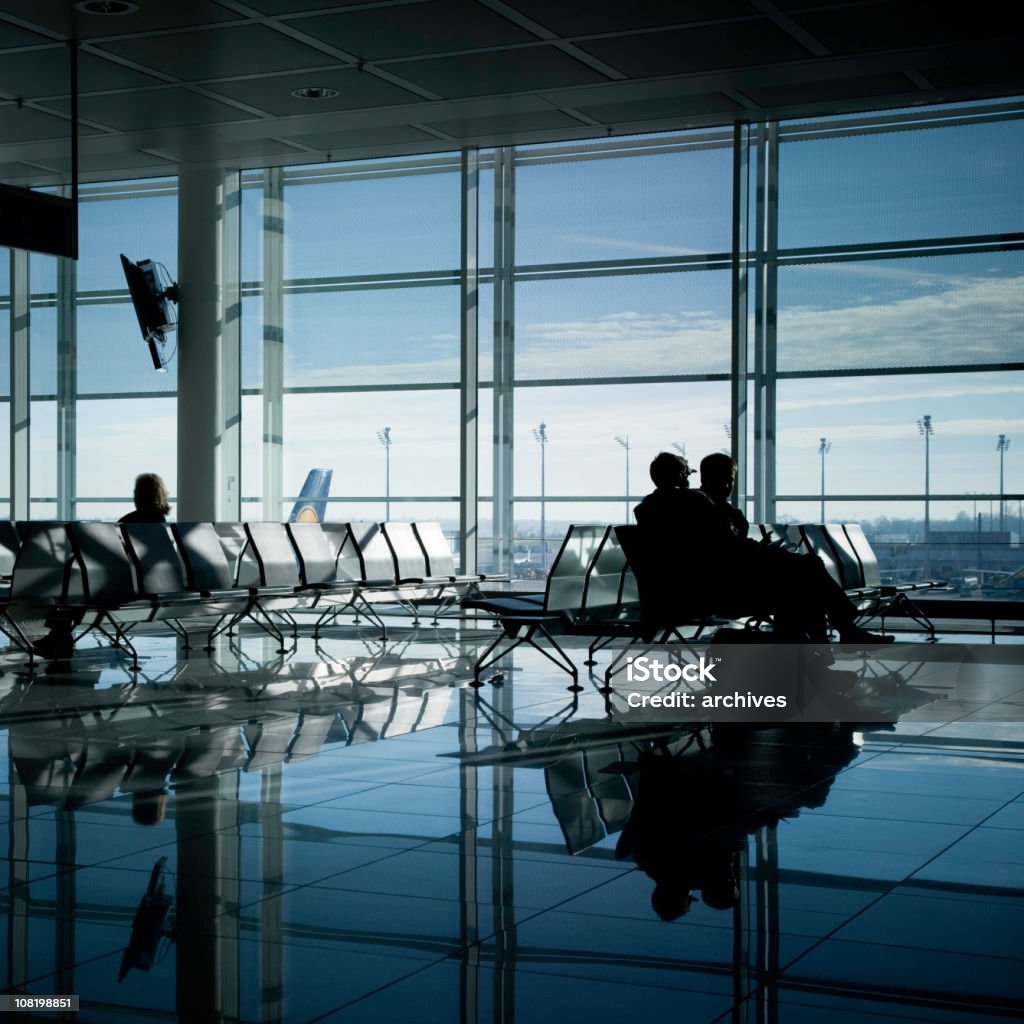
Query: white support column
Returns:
{"type": "Point", "coordinates": [469, 488]}
{"type": "Point", "coordinates": [231, 352]}
{"type": "Point", "coordinates": [273, 345]}
{"type": "Point", "coordinates": [21, 422]}
{"type": "Point", "coordinates": [200, 332]}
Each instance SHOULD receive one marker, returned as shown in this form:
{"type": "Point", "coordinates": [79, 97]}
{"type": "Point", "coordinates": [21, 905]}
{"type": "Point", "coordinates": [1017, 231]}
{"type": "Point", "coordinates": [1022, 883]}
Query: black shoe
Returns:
{"type": "Point", "coordinates": [857, 639]}
{"type": "Point", "coordinates": [54, 646]}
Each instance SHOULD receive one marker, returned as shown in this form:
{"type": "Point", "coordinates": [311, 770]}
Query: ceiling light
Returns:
{"type": "Point", "coordinates": [106, 8]}
{"type": "Point", "coordinates": [314, 92]}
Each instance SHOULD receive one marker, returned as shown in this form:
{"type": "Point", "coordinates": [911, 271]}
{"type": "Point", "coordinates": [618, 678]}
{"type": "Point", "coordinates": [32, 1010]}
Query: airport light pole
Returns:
{"type": "Point", "coordinates": [1002, 446]}
{"type": "Point", "coordinates": [540, 435]}
{"type": "Point", "coordinates": [384, 436]}
{"type": "Point", "coordinates": [823, 449]}
{"type": "Point", "coordinates": [924, 428]}
{"type": "Point", "coordinates": [624, 441]}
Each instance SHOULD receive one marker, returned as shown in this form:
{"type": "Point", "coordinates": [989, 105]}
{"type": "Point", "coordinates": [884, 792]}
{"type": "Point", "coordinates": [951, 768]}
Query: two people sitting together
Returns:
{"type": "Point", "coordinates": [708, 563]}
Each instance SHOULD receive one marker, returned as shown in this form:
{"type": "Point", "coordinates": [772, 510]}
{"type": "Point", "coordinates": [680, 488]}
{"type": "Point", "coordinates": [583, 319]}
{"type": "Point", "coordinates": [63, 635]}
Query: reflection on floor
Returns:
{"type": "Point", "coordinates": [351, 835]}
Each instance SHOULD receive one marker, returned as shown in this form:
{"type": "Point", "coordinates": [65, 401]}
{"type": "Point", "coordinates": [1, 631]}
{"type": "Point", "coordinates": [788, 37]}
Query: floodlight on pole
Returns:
{"type": "Point", "coordinates": [823, 449]}
{"type": "Point", "coordinates": [384, 436]}
{"type": "Point", "coordinates": [624, 441]}
{"type": "Point", "coordinates": [924, 428]}
{"type": "Point", "coordinates": [540, 435]}
{"type": "Point", "coordinates": [1002, 446]}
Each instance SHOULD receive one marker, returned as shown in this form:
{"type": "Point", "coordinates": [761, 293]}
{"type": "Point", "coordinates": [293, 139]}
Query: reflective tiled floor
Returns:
{"type": "Point", "coordinates": [348, 835]}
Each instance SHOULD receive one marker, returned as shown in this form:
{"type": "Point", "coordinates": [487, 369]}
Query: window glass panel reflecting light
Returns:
{"type": "Point", "coordinates": [928, 182]}
{"type": "Point", "coordinates": [393, 336]}
{"type": "Point", "coordinates": [876, 447]}
{"type": "Point", "coordinates": [624, 206]}
{"type": "Point", "coordinates": [384, 223]}
{"type": "Point", "coordinates": [631, 326]}
{"type": "Point", "coordinates": [951, 310]}
{"type": "Point", "coordinates": [119, 438]}
{"type": "Point", "coordinates": [339, 431]}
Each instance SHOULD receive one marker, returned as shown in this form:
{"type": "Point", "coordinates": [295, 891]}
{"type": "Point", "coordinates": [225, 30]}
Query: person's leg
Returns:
{"type": "Point", "coordinates": [783, 582]}
{"type": "Point", "coordinates": [842, 613]}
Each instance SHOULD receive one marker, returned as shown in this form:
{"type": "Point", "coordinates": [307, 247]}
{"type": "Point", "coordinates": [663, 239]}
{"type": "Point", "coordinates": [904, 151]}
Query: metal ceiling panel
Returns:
{"type": "Point", "coordinates": [285, 7]}
{"type": "Point", "coordinates": [894, 26]}
{"type": "Point", "coordinates": [475, 69]}
{"type": "Point", "coordinates": [525, 121]}
{"type": "Point", "coordinates": [1006, 72]}
{"type": "Point", "coordinates": [220, 52]}
{"type": "Point", "coordinates": [25, 124]}
{"type": "Point", "coordinates": [356, 90]}
{"type": "Point", "coordinates": [832, 89]}
{"type": "Point", "coordinates": [702, 48]}
{"type": "Point", "coordinates": [586, 17]}
{"type": "Point", "coordinates": [191, 151]}
{"type": "Point", "coordinates": [334, 142]}
{"type": "Point", "coordinates": [33, 74]}
{"type": "Point", "coordinates": [93, 163]}
{"type": "Point", "coordinates": [437, 27]}
{"type": "Point", "coordinates": [61, 17]}
{"type": "Point", "coordinates": [500, 71]}
{"type": "Point", "coordinates": [653, 110]}
{"type": "Point", "coordinates": [153, 108]}
{"type": "Point", "coordinates": [13, 35]}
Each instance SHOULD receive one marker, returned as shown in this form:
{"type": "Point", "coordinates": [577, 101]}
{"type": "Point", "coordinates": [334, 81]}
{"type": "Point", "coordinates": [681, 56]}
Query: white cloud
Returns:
{"type": "Point", "coordinates": [861, 391]}
{"type": "Point", "coordinates": [973, 320]}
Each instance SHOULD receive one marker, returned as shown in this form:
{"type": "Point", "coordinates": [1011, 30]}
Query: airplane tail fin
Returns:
{"type": "Point", "coordinates": [312, 504]}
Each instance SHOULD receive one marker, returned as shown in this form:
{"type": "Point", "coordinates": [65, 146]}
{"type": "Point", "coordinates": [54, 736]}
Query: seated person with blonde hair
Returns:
{"type": "Point", "coordinates": [151, 500]}
{"type": "Point", "coordinates": [151, 506]}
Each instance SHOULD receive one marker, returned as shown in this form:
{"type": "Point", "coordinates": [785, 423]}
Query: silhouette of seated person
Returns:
{"type": "Point", "coordinates": [692, 814]}
{"type": "Point", "coordinates": [717, 480]}
{"type": "Point", "coordinates": [703, 558]}
{"type": "Point", "coordinates": [151, 506]}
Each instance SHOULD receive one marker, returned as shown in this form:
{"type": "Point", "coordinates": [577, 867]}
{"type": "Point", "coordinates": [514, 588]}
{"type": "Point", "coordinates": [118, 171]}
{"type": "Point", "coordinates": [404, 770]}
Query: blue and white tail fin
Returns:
{"type": "Point", "coordinates": [312, 504]}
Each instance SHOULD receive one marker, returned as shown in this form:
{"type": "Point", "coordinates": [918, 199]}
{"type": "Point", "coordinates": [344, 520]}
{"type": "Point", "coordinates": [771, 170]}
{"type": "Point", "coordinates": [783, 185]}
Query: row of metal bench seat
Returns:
{"type": "Point", "coordinates": [592, 591]}
{"type": "Point", "coordinates": [111, 577]}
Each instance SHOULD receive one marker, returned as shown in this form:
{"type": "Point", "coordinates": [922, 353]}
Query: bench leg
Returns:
{"type": "Point", "coordinates": [563, 661]}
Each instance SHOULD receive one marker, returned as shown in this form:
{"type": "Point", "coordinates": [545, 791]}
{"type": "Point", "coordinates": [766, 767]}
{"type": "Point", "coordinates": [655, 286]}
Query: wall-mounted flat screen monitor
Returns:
{"type": "Point", "coordinates": [153, 294]}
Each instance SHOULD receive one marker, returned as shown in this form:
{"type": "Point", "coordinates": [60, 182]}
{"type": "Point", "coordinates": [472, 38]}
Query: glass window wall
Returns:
{"type": "Point", "coordinates": [893, 293]}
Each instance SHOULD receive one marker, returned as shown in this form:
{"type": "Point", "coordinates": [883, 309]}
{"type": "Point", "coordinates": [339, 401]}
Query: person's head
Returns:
{"type": "Point", "coordinates": [717, 475]}
{"type": "Point", "coordinates": [670, 470]}
{"type": "Point", "coordinates": [721, 890]}
{"type": "Point", "coordinates": [151, 493]}
{"type": "Point", "coordinates": [671, 902]}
